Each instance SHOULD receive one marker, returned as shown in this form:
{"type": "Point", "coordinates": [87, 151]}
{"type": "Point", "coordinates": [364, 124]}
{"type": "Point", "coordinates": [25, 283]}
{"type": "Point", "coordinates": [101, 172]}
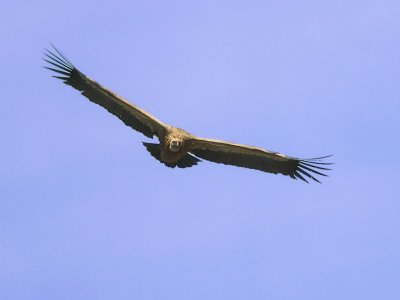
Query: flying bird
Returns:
{"type": "Point", "coordinates": [177, 147]}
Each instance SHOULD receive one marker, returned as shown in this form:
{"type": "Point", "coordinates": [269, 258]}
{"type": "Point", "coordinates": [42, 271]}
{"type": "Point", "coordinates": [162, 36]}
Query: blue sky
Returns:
{"type": "Point", "coordinates": [87, 213]}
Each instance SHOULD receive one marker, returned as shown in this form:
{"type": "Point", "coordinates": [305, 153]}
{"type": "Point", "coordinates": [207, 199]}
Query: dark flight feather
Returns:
{"type": "Point", "coordinates": [255, 158]}
{"type": "Point", "coordinates": [131, 115]}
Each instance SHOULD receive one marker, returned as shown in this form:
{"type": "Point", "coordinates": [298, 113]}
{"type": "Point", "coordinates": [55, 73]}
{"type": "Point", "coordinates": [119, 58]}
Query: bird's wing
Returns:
{"type": "Point", "coordinates": [257, 158]}
{"type": "Point", "coordinates": [128, 113]}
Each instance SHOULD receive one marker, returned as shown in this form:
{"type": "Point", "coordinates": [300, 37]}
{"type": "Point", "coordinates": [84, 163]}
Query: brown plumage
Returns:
{"type": "Point", "coordinates": [178, 148]}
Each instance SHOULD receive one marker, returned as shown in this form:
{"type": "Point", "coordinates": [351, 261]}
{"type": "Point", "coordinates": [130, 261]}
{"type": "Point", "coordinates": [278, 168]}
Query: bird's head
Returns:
{"type": "Point", "coordinates": [175, 145]}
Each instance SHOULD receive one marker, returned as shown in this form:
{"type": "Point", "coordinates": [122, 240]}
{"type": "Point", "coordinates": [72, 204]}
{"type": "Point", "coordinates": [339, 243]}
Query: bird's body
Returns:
{"type": "Point", "coordinates": [176, 147]}
{"type": "Point", "coordinates": [174, 134]}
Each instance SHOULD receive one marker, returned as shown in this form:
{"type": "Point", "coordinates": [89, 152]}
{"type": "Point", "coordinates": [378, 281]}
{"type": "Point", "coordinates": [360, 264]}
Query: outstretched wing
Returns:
{"type": "Point", "coordinates": [128, 113]}
{"type": "Point", "coordinates": [257, 158]}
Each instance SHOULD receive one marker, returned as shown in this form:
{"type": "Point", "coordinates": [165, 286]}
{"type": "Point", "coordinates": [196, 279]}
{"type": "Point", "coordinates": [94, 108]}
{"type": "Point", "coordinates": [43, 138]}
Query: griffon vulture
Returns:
{"type": "Point", "coordinates": [178, 148]}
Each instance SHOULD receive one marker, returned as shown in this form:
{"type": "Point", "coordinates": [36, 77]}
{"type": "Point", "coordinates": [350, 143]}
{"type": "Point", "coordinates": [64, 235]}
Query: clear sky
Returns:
{"type": "Point", "coordinates": [87, 213]}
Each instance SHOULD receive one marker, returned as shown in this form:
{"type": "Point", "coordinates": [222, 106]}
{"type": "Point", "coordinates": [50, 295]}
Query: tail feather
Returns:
{"type": "Point", "coordinates": [185, 162]}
